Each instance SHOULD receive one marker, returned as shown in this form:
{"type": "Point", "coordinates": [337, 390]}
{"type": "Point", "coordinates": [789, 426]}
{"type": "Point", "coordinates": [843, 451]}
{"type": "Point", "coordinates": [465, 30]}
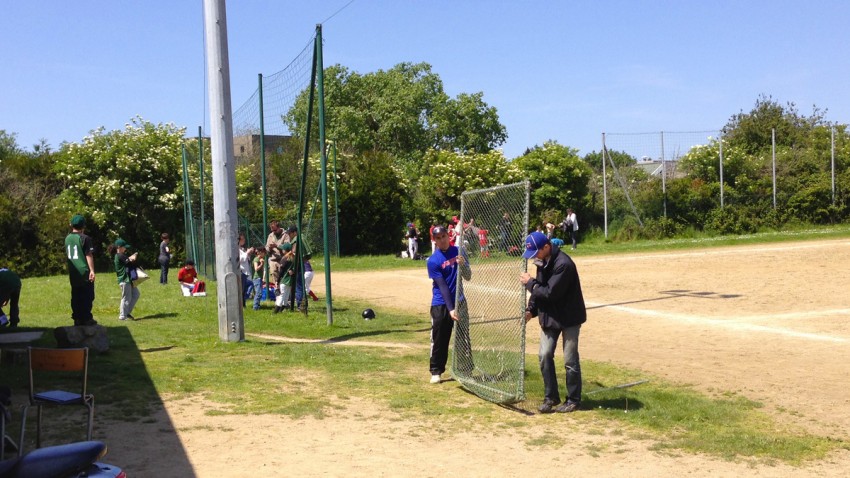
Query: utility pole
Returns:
{"type": "Point", "coordinates": [225, 217]}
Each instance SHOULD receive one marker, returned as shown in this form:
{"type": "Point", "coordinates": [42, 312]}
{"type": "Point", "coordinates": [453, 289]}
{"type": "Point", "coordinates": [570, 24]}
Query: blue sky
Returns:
{"type": "Point", "coordinates": [561, 70]}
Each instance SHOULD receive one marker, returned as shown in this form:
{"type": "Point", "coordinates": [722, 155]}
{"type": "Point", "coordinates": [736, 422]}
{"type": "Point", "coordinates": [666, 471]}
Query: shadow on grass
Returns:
{"type": "Point", "coordinates": [339, 339]}
{"type": "Point", "coordinates": [613, 403]}
{"type": "Point", "coordinates": [157, 316]}
{"type": "Point", "coordinates": [129, 415]}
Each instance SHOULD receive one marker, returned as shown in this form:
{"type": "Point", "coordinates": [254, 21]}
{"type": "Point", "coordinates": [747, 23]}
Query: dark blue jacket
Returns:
{"type": "Point", "coordinates": [556, 296]}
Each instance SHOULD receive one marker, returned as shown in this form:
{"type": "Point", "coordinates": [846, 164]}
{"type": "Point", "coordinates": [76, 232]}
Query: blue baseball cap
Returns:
{"type": "Point", "coordinates": [533, 243]}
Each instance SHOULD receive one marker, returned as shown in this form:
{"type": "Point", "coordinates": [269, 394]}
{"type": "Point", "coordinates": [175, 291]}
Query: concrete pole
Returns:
{"type": "Point", "coordinates": [225, 217]}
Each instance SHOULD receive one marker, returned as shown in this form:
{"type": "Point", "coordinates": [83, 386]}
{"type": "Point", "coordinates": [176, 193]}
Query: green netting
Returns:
{"type": "Point", "coordinates": [495, 221]}
{"type": "Point", "coordinates": [260, 133]}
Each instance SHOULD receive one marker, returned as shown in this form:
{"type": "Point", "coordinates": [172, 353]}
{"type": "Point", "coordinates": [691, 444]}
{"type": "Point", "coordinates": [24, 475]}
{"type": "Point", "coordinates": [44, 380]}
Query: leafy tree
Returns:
{"type": "Point", "coordinates": [467, 125]}
{"type": "Point", "coordinates": [125, 182]}
{"type": "Point", "coordinates": [753, 131]}
{"type": "Point", "coordinates": [403, 111]}
{"type": "Point", "coordinates": [559, 179]}
{"type": "Point", "coordinates": [370, 204]}
{"type": "Point", "coordinates": [29, 228]}
{"type": "Point", "coordinates": [620, 158]}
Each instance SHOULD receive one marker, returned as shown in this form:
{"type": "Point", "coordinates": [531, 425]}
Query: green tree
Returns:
{"type": "Point", "coordinates": [29, 228]}
{"type": "Point", "coordinates": [620, 158]}
{"type": "Point", "coordinates": [403, 111]}
{"type": "Point", "coordinates": [559, 179]}
{"type": "Point", "coordinates": [370, 202]}
{"type": "Point", "coordinates": [125, 182]}
{"type": "Point", "coordinates": [466, 125]}
{"type": "Point", "coordinates": [752, 131]}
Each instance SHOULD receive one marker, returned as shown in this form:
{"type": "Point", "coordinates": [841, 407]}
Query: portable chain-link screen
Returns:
{"type": "Point", "coordinates": [489, 346]}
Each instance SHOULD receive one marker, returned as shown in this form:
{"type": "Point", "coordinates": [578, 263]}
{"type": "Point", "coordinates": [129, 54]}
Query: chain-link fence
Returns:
{"type": "Point", "coordinates": [489, 346]}
{"type": "Point", "coordinates": [664, 180]}
{"type": "Point", "coordinates": [639, 188]}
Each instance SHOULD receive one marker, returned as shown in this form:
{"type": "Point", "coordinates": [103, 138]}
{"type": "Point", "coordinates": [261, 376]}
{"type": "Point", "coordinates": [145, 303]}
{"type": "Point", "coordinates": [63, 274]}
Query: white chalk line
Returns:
{"type": "Point", "coordinates": [737, 323]}
{"type": "Point", "coordinates": [732, 250]}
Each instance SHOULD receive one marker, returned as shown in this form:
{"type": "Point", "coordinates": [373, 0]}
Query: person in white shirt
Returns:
{"type": "Point", "coordinates": [245, 268]}
{"type": "Point", "coordinates": [570, 226]}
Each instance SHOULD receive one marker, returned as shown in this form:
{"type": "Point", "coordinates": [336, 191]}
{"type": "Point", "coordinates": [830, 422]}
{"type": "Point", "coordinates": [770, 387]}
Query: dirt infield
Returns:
{"type": "Point", "coordinates": [771, 322]}
{"type": "Point", "coordinates": [767, 322]}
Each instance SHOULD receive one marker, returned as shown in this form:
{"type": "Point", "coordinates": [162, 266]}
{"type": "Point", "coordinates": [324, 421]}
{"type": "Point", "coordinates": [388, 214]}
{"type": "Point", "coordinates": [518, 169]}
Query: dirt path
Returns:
{"type": "Point", "coordinates": [771, 322]}
{"type": "Point", "coordinates": [766, 322]}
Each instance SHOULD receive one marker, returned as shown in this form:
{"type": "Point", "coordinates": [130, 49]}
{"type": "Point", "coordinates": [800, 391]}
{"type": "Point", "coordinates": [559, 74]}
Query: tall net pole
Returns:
{"type": "Point", "coordinates": [264, 184]}
{"type": "Point", "coordinates": [203, 263]}
{"type": "Point", "coordinates": [320, 79]}
{"type": "Point", "coordinates": [832, 160]}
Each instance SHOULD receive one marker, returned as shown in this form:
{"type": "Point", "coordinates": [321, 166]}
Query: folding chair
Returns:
{"type": "Point", "coordinates": [44, 364]}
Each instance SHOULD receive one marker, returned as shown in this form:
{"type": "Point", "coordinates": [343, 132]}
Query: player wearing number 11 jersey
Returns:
{"type": "Point", "coordinates": [79, 250]}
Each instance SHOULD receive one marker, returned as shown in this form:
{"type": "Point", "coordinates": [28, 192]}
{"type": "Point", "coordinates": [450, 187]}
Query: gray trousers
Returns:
{"type": "Point", "coordinates": [548, 343]}
{"type": "Point", "coordinates": [129, 297]}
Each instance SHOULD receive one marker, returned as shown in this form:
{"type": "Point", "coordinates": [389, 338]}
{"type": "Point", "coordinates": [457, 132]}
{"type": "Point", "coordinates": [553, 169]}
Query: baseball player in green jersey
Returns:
{"type": "Point", "coordinates": [79, 249]}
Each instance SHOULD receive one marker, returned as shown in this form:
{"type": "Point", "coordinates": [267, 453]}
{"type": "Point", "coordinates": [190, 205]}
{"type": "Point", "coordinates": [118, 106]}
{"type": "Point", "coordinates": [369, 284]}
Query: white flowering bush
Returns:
{"type": "Point", "coordinates": [448, 174]}
{"type": "Point", "coordinates": [126, 182]}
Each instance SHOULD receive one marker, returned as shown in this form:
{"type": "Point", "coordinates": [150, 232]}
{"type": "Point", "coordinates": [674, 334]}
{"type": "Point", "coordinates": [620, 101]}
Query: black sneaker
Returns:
{"type": "Point", "coordinates": [548, 406]}
{"type": "Point", "coordinates": [567, 407]}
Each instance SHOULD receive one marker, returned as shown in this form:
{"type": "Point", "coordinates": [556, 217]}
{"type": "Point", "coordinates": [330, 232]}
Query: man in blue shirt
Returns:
{"type": "Point", "coordinates": [443, 268]}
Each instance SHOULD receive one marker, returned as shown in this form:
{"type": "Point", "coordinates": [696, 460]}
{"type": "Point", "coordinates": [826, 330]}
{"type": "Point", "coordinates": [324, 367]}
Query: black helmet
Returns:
{"type": "Point", "coordinates": [368, 314]}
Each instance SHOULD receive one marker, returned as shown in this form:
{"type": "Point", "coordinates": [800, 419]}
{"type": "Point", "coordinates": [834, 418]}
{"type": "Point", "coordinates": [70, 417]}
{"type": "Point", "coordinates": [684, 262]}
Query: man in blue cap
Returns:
{"type": "Point", "coordinates": [557, 301]}
{"type": "Point", "coordinates": [79, 250]}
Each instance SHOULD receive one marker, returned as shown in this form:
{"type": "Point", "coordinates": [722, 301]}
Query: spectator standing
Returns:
{"type": "Point", "coordinates": [284, 257]}
{"type": "Point", "coordinates": [258, 265]}
{"type": "Point", "coordinates": [483, 242]}
{"type": "Point", "coordinates": [10, 293]}
{"type": "Point", "coordinates": [570, 226]}
{"type": "Point", "coordinates": [79, 250]}
{"type": "Point", "coordinates": [412, 236]}
{"type": "Point", "coordinates": [556, 299]}
{"type": "Point", "coordinates": [164, 258]}
{"type": "Point", "coordinates": [277, 237]}
{"type": "Point", "coordinates": [457, 239]}
{"type": "Point", "coordinates": [245, 268]}
{"type": "Point", "coordinates": [308, 277]}
{"type": "Point", "coordinates": [129, 292]}
{"type": "Point", "coordinates": [297, 268]}
{"type": "Point", "coordinates": [505, 232]}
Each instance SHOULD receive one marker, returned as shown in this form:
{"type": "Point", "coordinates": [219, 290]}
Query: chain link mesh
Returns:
{"type": "Point", "coordinates": [489, 346]}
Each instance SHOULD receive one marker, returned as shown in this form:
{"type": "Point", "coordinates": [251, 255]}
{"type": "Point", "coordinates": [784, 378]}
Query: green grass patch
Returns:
{"type": "Point", "coordinates": [174, 351]}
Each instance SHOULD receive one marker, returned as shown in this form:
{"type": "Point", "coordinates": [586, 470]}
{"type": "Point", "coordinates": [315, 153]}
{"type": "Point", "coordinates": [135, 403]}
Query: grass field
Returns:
{"type": "Point", "coordinates": [173, 352]}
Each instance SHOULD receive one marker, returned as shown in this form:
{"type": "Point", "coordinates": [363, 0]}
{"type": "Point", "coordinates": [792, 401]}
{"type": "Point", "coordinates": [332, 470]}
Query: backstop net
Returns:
{"type": "Point", "coordinates": [489, 345]}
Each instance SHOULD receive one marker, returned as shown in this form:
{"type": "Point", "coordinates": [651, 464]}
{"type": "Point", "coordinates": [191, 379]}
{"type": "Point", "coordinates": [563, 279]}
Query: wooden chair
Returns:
{"type": "Point", "coordinates": [46, 364]}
